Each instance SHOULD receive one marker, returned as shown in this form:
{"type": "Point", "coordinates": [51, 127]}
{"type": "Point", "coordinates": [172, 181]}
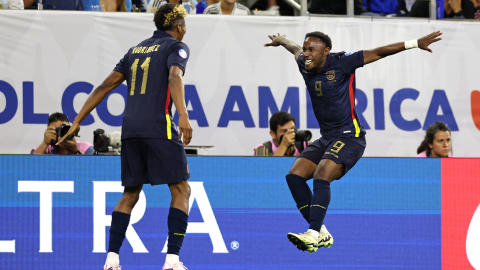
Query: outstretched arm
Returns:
{"type": "Point", "coordinates": [280, 40]}
{"type": "Point", "coordinates": [111, 82]}
{"type": "Point", "coordinates": [370, 56]}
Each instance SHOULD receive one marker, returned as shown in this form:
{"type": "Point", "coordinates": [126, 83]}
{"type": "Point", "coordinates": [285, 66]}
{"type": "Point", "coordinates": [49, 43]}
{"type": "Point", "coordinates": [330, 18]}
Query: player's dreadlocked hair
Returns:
{"type": "Point", "coordinates": [326, 39]}
{"type": "Point", "coordinates": [166, 17]}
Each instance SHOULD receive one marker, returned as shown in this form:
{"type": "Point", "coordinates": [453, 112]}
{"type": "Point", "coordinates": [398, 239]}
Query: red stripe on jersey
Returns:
{"type": "Point", "coordinates": [167, 104]}
{"type": "Point", "coordinates": [352, 97]}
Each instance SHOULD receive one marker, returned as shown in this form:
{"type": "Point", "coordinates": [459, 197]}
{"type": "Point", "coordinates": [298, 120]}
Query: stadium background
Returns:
{"type": "Point", "coordinates": [387, 213]}
{"type": "Point", "coordinates": [51, 60]}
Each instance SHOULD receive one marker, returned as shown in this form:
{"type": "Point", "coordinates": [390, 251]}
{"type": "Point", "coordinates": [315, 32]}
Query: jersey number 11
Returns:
{"type": "Point", "coordinates": [134, 68]}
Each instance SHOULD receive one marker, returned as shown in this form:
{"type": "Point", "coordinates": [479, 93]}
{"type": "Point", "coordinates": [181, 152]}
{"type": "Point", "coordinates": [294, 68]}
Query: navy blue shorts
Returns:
{"type": "Point", "coordinates": [345, 150]}
{"type": "Point", "coordinates": [153, 161]}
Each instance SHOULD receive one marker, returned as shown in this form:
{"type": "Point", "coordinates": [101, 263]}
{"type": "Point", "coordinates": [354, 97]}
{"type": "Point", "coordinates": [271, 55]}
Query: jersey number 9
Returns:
{"type": "Point", "coordinates": [318, 88]}
{"type": "Point", "coordinates": [338, 145]}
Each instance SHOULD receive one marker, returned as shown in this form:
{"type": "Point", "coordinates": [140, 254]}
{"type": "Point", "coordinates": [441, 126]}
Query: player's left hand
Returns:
{"type": "Point", "coordinates": [72, 132]}
{"type": "Point", "coordinates": [425, 41]}
{"type": "Point", "coordinates": [185, 130]}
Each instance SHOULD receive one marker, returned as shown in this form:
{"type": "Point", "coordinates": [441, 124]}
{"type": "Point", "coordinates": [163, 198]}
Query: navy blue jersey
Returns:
{"type": "Point", "coordinates": [332, 91]}
{"type": "Point", "coordinates": [146, 69]}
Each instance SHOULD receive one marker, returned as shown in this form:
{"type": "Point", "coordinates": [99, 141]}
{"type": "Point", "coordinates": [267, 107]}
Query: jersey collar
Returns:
{"type": "Point", "coordinates": [160, 33]}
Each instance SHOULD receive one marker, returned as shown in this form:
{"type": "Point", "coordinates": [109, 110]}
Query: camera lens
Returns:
{"type": "Point", "coordinates": [303, 135]}
{"type": "Point", "coordinates": [62, 130]}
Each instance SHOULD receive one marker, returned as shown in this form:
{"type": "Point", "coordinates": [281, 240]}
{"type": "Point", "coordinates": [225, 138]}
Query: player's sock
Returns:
{"type": "Point", "coordinates": [177, 226]}
{"type": "Point", "coordinates": [319, 205]}
{"type": "Point", "coordinates": [313, 233]}
{"type": "Point", "coordinates": [301, 194]}
{"type": "Point", "coordinates": [113, 259]}
{"type": "Point", "coordinates": [323, 229]}
{"type": "Point", "coordinates": [172, 259]}
{"type": "Point", "coordinates": [117, 231]}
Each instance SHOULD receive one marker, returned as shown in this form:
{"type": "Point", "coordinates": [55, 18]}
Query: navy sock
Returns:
{"type": "Point", "coordinates": [301, 194]}
{"type": "Point", "coordinates": [177, 226]}
{"type": "Point", "coordinates": [117, 231]}
{"type": "Point", "coordinates": [319, 205]}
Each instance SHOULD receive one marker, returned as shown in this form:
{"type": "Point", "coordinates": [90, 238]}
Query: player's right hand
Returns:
{"type": "Point", "coordinates": [185, 129]}
{"type": "Point", "coordinates": [288, 138]}
{"type": "Point", "coordinates": [50, 134]}
{"type": "Point", "coordinates": [276, 40]}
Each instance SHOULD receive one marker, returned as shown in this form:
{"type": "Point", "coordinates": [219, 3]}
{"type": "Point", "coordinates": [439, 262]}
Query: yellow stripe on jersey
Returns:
{"type": "Point", "coordinates": [357, 128]}
{"type": "Point", "coordinates": [169, 127]}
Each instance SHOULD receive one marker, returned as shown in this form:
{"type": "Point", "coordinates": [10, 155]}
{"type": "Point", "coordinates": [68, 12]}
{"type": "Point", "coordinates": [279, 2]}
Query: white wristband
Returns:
{"type": "Point", "coordinates": [411, 44]}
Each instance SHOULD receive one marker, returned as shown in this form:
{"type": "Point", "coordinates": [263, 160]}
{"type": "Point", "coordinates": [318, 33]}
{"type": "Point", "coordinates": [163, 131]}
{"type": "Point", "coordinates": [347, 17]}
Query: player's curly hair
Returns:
{"type": "Point", "coordinates": [168, 15]}
{"type": "Point", "coordinates": [326, 39]}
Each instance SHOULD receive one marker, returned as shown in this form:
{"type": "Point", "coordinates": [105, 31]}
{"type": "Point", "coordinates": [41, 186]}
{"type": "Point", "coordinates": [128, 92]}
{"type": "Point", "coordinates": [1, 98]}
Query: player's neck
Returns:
{"type": "Point", "coordinates": [227, 8]}
{"type": "Point", "coordinates": [317, 69]}
{"type": "Point", "coordinates": [173, 34]}
{"type": "Point", "coordinates": [320, 66]}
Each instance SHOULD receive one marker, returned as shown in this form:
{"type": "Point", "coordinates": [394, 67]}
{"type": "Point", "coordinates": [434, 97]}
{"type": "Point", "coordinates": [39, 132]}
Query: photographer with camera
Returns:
{"type": "Point", "coordinates": [58, 125]}
{"type": "Point", "coordinates": [286, 139]}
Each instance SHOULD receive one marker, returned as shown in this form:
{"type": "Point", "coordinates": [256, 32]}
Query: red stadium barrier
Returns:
{"type": "Point", "coordinates": [460, 214]}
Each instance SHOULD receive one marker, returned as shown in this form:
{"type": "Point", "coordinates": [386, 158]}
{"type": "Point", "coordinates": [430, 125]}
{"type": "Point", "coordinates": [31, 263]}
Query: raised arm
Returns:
{"type": "Point", "coordinates": [280, 40]}
{"type": "Point", "coordinates": [370, 56]}
{"type": "Point", "coordinates": [111, 82]}
{"type": "Point", "coordinates": [177, 91]}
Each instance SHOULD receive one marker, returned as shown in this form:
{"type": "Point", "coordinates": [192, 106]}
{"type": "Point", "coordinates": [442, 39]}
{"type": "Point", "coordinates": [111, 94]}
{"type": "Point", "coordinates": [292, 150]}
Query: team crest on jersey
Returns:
{"type": "Point", "coordinates": [348, 53]}
{"type": "Point", "coordinates": [330, 74]}
{"type": "Point", "coordinates": [182, 53]}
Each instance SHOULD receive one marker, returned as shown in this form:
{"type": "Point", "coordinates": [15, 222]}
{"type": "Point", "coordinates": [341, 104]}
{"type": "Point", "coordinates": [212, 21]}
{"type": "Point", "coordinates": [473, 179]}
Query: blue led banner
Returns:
{"type": "Point", "coordinates": [55, 214]}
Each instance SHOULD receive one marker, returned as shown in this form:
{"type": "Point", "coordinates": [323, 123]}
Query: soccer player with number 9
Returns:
{"type": "Point", "coordinates": [330, 80]}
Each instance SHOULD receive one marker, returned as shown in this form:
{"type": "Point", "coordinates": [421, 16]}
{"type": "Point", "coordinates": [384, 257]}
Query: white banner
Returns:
{"type": "Point", "coordinates": [50, 61]}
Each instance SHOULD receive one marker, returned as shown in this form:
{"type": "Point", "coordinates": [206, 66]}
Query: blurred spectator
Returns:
{"type": "Point", "coordinates": [437, 142]}
{"type": "Point", "coordinates": [283, 8]}
{"type": "Point", "coordinates": [227, 7]}
{"type": "Point", "coordinates": [63, 4]}
{"type": "Point", "coordinates": [189, 5]}
{"type": "Point", "coordinates": [334, 7]}
{"type": "Point", "coordinates": [404, 7]}
{"type": "Point", "coordinates": [11, 4]}
{"type": "Point", "coordinates": [454, 9]}
{"type": "Point", "coordinates": [476, 4]}
{"type": "Point", "coordinates": [139, 6]}
{"type": "Point", "coordinates": [92, 5]}
{"type": "Point", "coordinates": [282, 131]}
{"type": "Point", "coordinates": [68, 147]}
{"type": "Point", "coordinates": [201, 6]}
{"type": "Point", "coordinates": [114, 5]}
